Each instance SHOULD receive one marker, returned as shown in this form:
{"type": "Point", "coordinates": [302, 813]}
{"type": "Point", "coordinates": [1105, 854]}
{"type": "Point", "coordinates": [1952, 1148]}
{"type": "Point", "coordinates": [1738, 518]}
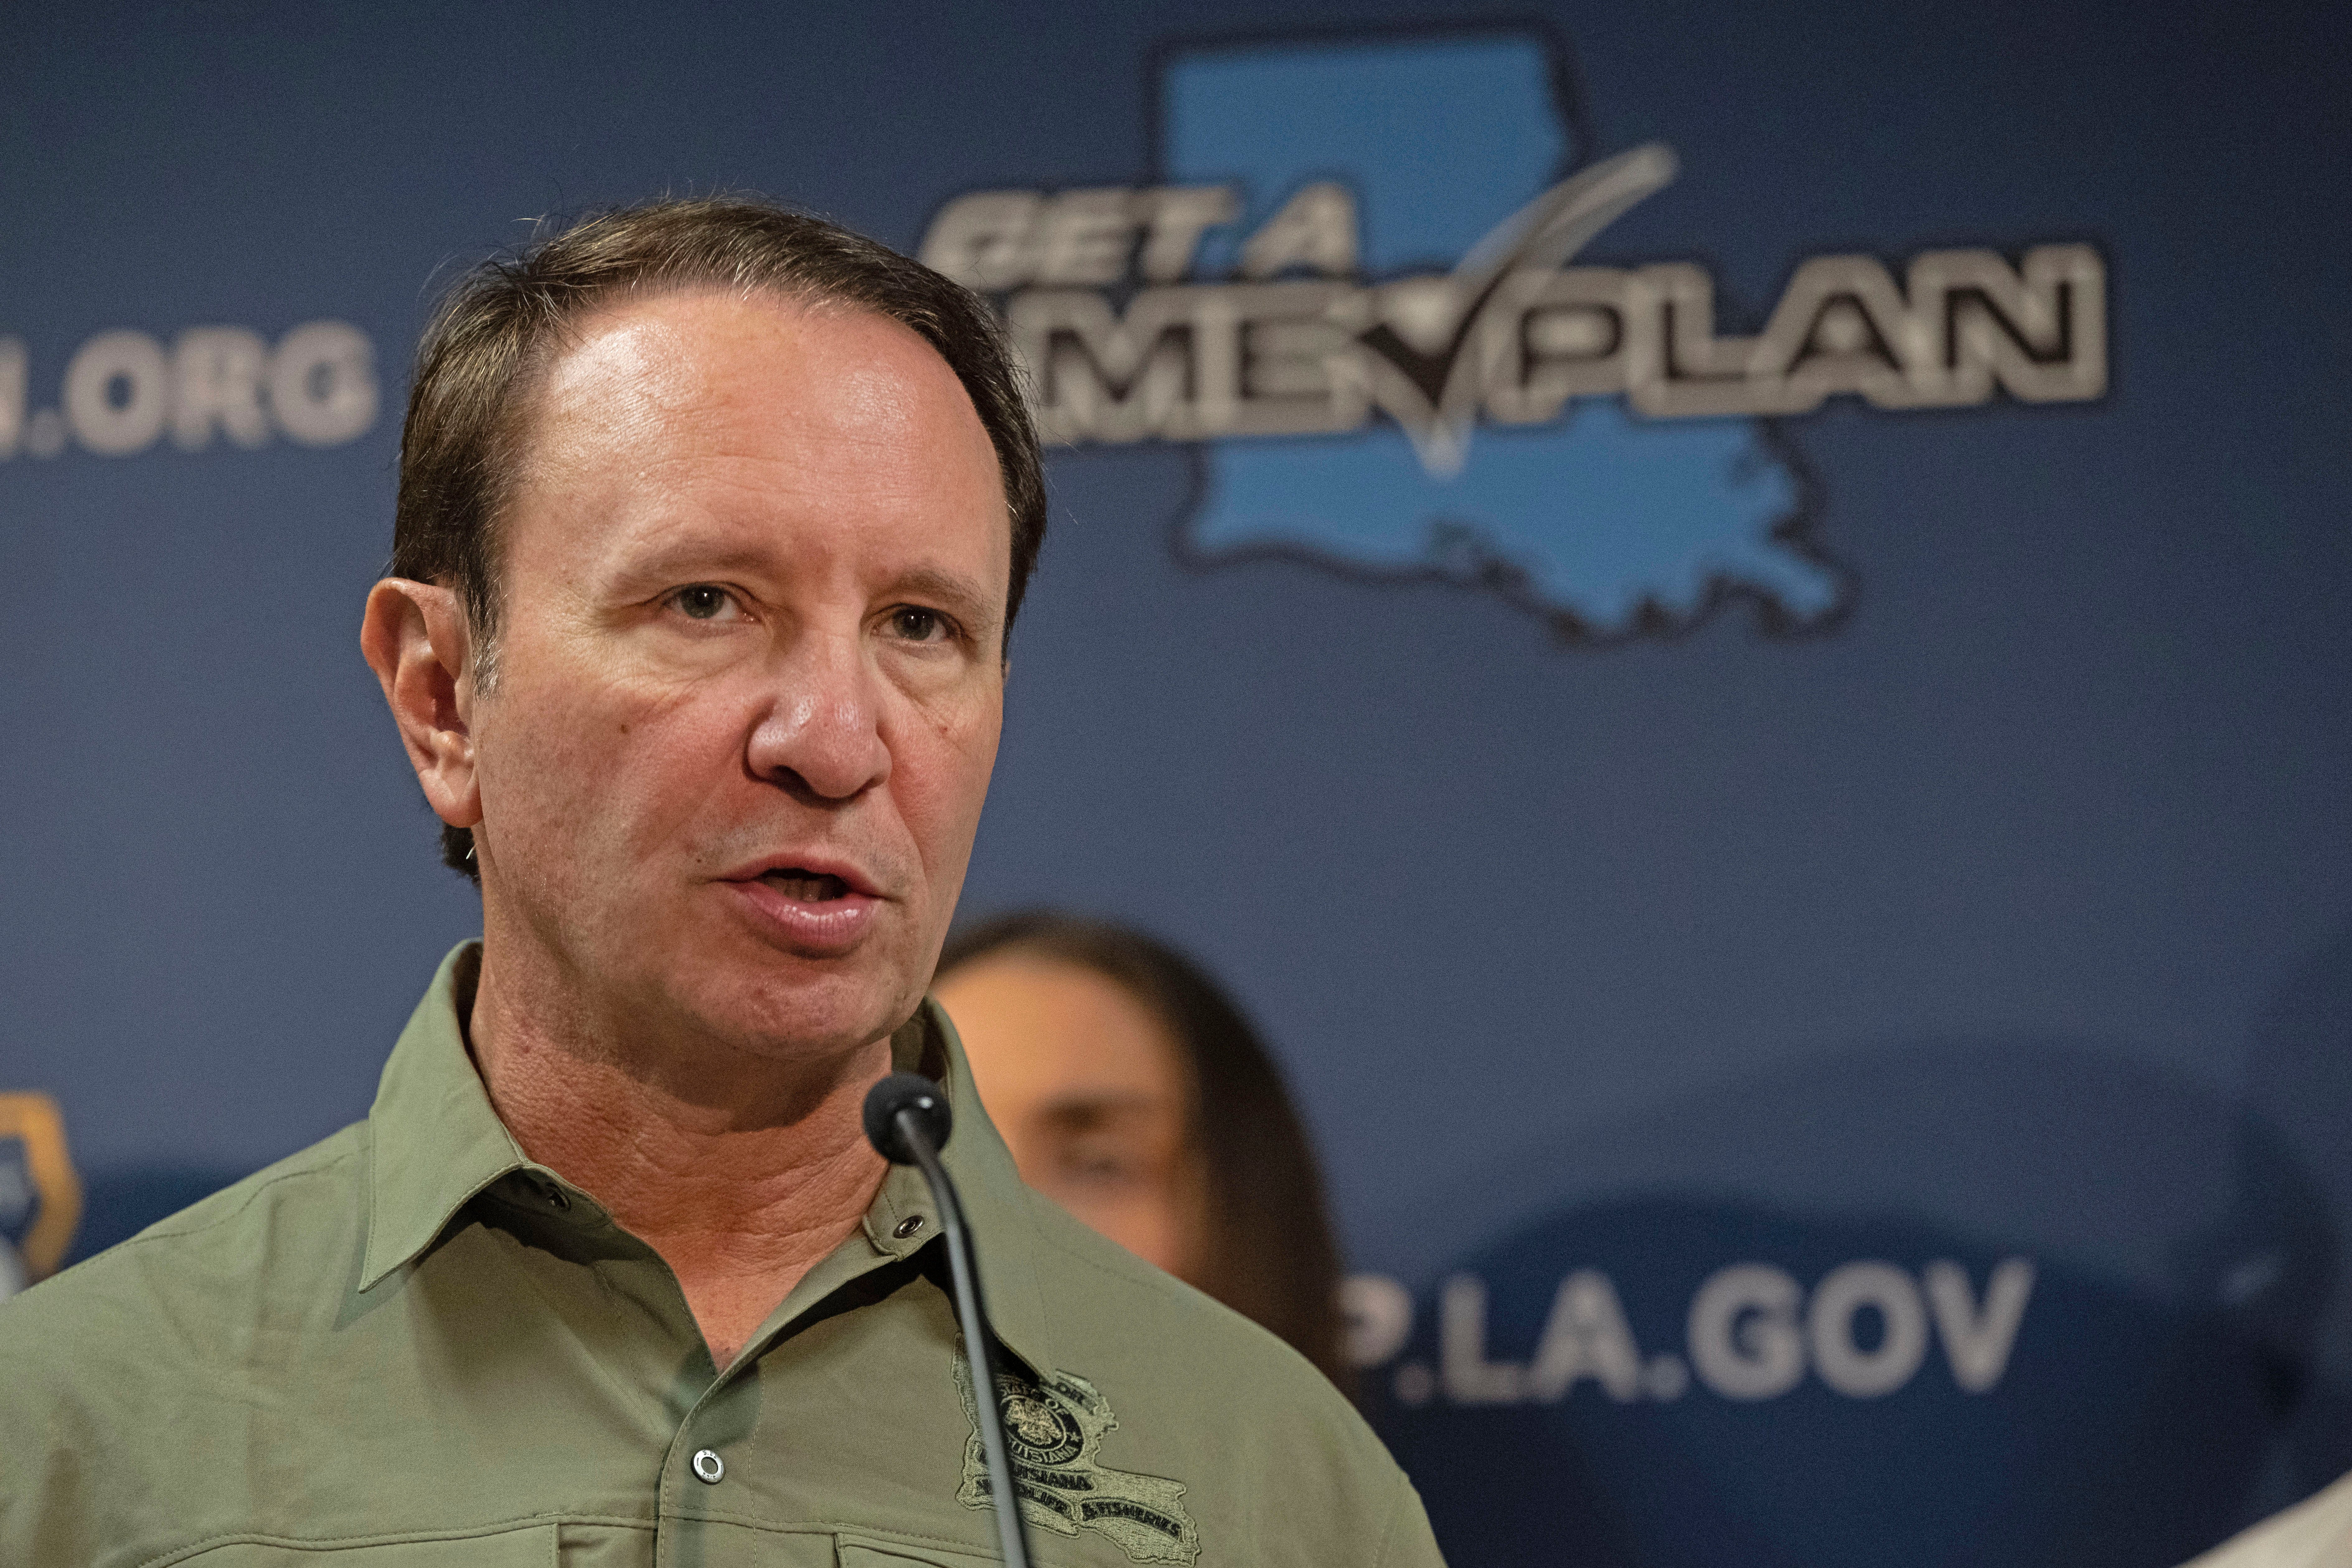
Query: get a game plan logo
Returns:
{"type": "Point", "coordinates": [1355, 284]}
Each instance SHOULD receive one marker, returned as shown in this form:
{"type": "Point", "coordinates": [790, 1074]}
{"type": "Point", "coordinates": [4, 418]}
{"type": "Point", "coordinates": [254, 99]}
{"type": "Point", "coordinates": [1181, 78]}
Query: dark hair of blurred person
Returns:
{"type": "Point", "coordinates": [1133, 1092]}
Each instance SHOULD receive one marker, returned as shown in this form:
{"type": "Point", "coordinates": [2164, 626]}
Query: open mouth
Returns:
{"type": "Point", "coordinates": [805, 886]}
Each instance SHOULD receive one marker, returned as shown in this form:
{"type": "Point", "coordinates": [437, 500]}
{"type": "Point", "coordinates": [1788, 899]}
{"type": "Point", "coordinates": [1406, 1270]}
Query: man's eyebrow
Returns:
{"type": "Point", "coordinates": [686, 557]}
{"type": "Point", "coordinates": [949, 592]}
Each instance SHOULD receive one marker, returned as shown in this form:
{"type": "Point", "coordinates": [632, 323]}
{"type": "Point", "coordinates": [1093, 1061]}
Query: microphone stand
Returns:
{"type": "Point", "coordinates": [911, 1119]}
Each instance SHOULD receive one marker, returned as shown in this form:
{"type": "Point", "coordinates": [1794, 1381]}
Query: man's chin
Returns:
{"type": "Point", "coordinates": [803, 1010]}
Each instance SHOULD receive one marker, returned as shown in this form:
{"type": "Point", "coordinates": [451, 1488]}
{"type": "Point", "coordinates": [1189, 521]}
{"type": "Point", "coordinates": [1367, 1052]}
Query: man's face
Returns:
{"type": "Point", "coordinates": [749, 679]}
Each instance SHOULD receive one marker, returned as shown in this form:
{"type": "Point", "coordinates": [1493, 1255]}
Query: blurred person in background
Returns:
{"type": "Point", "coordinates": [1134, 1093]}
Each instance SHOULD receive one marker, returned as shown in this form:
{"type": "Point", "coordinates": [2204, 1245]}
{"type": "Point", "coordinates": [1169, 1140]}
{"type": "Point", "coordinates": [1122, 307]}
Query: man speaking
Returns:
{"type": "Point", "coordinates": [713, 522]}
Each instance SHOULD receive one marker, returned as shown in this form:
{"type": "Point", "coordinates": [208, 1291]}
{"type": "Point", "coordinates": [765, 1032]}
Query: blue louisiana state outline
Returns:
{"type": "Point", "coordinates": [1604, 523]}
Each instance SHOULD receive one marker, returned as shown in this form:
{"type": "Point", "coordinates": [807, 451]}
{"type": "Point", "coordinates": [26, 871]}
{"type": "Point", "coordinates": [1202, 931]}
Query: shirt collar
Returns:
{"type": "Point", "coordinates": [433, 1140]}
{"type": "Point", "coordinates": [999, 1207]}
{"type": "Point", "coordinates": [436, 1143]}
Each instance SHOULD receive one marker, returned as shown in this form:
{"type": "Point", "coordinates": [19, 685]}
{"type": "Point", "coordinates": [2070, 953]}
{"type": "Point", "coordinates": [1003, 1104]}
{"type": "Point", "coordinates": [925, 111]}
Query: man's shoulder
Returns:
{"type": "Point", "coordinates": [218, 1258]}
{"type": "Point", "coordinates": [2314, 1533]}
{"type": "Point", "coordinates": [1176, 1344]}
{"type": "Point", "coordinates": [1196, 1404]}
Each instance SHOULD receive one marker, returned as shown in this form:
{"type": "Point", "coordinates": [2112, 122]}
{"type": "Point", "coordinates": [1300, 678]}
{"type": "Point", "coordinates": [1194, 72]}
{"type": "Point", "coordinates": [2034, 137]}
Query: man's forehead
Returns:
{"type": "Point", "coordinates": [692, 376]}
{"type": "Point", "coordinates": [690, 405]}
{"type": "Point", "coordinates": [684, 351]}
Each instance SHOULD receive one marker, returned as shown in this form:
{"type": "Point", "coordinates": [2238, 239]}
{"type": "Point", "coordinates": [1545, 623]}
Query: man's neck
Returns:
{"type": "Point", "coordinates": [741, 1178]}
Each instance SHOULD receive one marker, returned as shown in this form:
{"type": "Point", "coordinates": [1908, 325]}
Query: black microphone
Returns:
{"type": "Point", "coordinates": [907, 1121]}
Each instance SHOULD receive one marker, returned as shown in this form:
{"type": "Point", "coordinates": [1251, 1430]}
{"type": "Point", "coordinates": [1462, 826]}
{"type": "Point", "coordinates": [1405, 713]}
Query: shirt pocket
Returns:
{"type": "Point", "coordinates": [892, 1554]}
{"type": "Point", "coordinates": [530, 1546]}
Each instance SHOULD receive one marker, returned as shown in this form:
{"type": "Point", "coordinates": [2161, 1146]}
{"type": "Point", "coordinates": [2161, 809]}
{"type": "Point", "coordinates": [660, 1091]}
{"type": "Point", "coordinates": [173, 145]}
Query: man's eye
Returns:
{"type": "Point", "coordinates": [704, 601]}
{"type": "Point", "coordinates": [919, 625]}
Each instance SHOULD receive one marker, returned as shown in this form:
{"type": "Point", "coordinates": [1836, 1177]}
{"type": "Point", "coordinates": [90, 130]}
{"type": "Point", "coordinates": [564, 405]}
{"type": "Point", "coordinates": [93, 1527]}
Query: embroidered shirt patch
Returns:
{"type": "Point", "coordinates": [1053, 1430]}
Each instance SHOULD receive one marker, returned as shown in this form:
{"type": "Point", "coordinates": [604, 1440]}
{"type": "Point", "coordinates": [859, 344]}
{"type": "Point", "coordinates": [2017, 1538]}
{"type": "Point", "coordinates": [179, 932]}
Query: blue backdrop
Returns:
{"type": "Point", "coordinates": [1790, 817]}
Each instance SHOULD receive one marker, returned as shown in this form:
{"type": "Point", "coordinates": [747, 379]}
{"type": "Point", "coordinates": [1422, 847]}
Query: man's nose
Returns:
{"type": "Point", "coordinates": [822, 734]}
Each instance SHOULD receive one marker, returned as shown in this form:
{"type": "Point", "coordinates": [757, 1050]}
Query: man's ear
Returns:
{"type": "Point", "coordinates": [415, 639]}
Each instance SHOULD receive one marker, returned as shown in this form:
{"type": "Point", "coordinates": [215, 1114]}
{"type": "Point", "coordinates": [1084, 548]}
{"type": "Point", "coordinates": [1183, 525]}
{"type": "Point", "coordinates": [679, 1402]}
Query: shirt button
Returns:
{"type": "Point", "coordinates": [709, 1467]}
{"type": "Point", "coordinates": [907, 1227]}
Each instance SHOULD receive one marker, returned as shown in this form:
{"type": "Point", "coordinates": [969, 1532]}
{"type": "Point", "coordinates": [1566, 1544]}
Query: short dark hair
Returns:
{"type": "Point", "coordinates": [460, 443]}
{"type": "Point", "coordinates": [1270, 1253]}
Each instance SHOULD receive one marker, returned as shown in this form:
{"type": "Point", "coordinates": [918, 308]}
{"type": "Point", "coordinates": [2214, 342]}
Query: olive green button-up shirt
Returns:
{"type": "Point", "coordinates": [410, 1346]}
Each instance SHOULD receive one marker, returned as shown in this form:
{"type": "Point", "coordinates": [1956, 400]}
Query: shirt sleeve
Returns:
{"type": "Point", "coordinates": [1408, 1542]}
{"type": "Point", "coordinates": [2314, 1533]}
{"type": "Point", "coordinates": [40, 1454]}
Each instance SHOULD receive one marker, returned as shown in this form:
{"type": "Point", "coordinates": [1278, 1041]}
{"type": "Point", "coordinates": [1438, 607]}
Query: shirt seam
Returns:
{"type": "Point", "coordinates": [836, 1527]}
{"type": "Point", "coordinates": [1396, 1513]}
{"type": "Point", "coordinates": [376, 1538]}
{"type": "Point", "coordinates": [1074, 1256]}
{"type": "Point", "coordinates": [146, 1238]}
